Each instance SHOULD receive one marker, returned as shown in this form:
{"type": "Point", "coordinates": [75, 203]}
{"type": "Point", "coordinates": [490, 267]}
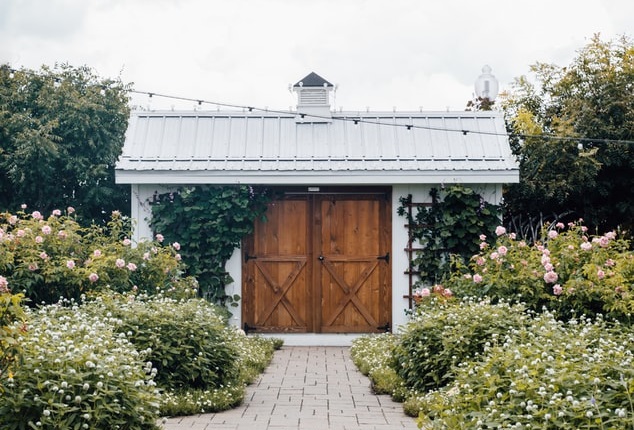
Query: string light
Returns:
{"type": "Point", "coordinates": [358, 120]}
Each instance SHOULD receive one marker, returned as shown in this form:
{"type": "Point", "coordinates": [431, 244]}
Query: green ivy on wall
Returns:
{"type": "Point", "coordinates": [208, 222]}
{"type": "Point", "coordinates": [450, 228]}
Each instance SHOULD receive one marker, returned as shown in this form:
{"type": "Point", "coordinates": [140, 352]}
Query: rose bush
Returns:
{"type": "Point", "coordinates": [51, 257]}
{"type": "Point", "coordinates": [572, 272]}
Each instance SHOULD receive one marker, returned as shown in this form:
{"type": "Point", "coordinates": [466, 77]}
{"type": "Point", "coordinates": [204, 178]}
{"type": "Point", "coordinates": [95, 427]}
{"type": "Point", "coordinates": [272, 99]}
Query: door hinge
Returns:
{"type": "Point", "coordinates": [385, 257]}
{"type": "Point", "coordinates": [247, 328]}
{"type": "Point", "coordinates": [385, 327]}
{"type": "Point", "coordinates": [248, 257]}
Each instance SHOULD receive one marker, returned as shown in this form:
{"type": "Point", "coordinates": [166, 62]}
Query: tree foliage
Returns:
{"type": "Point", "coordinates": [592, 100]}
{"type": "Point", "coordinates": [61, 132]}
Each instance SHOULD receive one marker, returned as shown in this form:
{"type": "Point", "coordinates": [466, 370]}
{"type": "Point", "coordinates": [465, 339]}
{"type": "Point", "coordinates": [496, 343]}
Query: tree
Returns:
{"type": "Point", "coordinates": [572, 133]}
{"type": "Point", "coordinates": [61, 132]}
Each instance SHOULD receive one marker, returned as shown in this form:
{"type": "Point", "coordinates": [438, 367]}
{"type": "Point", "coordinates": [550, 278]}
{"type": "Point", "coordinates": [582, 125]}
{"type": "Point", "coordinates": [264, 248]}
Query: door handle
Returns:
{"type": "Point", "coordinates": [321, 258]}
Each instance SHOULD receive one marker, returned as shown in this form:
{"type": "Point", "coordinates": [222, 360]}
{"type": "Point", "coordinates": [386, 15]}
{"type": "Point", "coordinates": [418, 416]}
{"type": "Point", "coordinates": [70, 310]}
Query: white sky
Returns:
{"type": "Point", "coordinates": [381, 53]}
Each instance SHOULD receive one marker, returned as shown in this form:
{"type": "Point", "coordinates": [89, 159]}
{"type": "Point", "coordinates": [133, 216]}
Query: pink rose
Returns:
{"type": "Point", "coordinates": [502, 250]}
{"type": "Point", "coordinates": [177, 246]}
{"type": "Point", "coordinates": [604, 241]}
{"type": "Point", "coordinates": [550, 277]}
{"type": "Point", "coordinates": [70, 264]}
{"type": "Point", "coordinates": [512, 236]}
{"type": "Point", "coordinates": [13, 219]}
{"type": "Point", "coordinates": [548, 267]}
{"type": "Point", "coordinates": [20, 233]}
{"type": "Point", "coordinates": [46, 229]}
{"type": "Point", "coordinates": [39, 239]}
{"type": "Point", "coordinates": [4, 285]}
{"type": "Point", "coordinates": [93, 277]}
{"type": "Point", "coordinates": [559, 225]}
{"type": "Point", "coordinates": [552, 234]}
{"type": "Point", "coordinates": [96, 253]}
{"type": "Point", "coordinates": [586, 246]}
{"type": "Point", "coordinates": [600, 274]}
{"type": "Point", "coordinates": [477, 278]}
{"type": "Point", "coordinates": [609, 262]}
{"type": "Point", "coordinates": [483, 237]}
{"type": "Point", "coordinates": [494, 255]}
{"type": "Point", "coordinates": [499, 230]}
{"type": "Point", "coordinates": [132, 267]}
{"type": "Point", "coordinates": [126, 242]}
{"type": "Point", "coordinates": [37, 215]}
{"type": "Point", "coordinates": [483, 245]}
{"type": "Point", "coordinates": [70, 210]}
{"type": "Point", "coordinates": [557, 290]}
{"type": "Point", "coordinates": [62, 234]}
{"type": "Point", "coordinates": [159, 237]}
{"type": "Point", "coordinates": [33, 267]}
{"type": "Point", "coordinates": [177, 257]}
{"type": "Point", "coordinates": [610, 235]}
{"type": "Point", "coordinates": [120, 263]}
{"type": "Point", "coordinates": [43, 255]}
{"type": "Point", "coordinates": [56, 212]}
{"type": "Point", "coordinates": [424, 292]}
{"type": "Point", "coordinates": [480, 261]}
{"type": "Point", "coordinates": [146, 255]}
{"type": "Point", "coordinates": [23, 205]}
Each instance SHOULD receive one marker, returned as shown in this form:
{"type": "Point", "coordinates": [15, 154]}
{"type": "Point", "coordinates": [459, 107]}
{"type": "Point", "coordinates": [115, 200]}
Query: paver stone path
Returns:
{"type": "Point", "coordinates": [308, 387]}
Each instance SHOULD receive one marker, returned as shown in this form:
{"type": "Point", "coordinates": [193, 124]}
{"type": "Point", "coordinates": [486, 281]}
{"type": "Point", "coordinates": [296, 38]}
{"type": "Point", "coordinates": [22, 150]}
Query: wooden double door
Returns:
{"type": "Point", "coordinates": [320, 263]}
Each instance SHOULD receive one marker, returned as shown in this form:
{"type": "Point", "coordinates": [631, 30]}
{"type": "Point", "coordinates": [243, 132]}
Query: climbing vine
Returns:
{"type": "Point", "coordinates": [208, 223]}
{"type": "Point", "coordinates": [450, 228]}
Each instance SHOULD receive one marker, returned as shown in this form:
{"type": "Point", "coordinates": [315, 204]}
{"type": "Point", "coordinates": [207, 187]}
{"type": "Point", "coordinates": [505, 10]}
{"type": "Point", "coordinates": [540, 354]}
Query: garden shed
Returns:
{"type": "Point", "coordinates": [331, 260]}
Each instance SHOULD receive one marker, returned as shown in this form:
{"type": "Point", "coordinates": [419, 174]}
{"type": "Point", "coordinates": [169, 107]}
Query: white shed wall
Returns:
{"type": "Point", "coordinates": [141, 210]}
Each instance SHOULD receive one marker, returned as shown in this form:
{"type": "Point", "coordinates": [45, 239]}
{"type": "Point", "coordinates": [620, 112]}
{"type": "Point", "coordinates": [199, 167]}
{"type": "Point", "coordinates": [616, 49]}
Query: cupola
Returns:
{"type": "Point", "coordinates": [313, 99]}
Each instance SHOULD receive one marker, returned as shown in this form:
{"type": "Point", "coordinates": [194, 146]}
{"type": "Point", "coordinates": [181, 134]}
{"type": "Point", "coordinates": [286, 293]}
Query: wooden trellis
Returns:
{"type": "Point", "coordinates": [411, 249]}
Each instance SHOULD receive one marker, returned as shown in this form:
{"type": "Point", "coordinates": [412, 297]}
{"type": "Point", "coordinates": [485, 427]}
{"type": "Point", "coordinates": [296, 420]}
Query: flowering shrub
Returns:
{"type": "Point", "coordinates": [573, 272]}
{"type": "Point", "coordinates": [51, 257]}
{"type": "Point", "coordinates": [442, 335]}
{"type": "Point", "coordinates": [548, 374]}
{"type": "Point", "coordinates": [372, 355]}
{"type": "Point", "coordinates": [76, 373]}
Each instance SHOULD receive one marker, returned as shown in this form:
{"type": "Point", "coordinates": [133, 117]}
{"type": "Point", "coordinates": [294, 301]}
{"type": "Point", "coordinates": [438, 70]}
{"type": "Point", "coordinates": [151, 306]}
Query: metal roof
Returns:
{"type": "Point", "coordinates": [227, 147]}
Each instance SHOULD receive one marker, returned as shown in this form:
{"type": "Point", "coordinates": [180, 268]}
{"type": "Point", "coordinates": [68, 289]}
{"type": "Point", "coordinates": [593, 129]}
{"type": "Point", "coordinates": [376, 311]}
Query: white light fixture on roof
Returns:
{"type": "Point", "coordinates": [486, 86]}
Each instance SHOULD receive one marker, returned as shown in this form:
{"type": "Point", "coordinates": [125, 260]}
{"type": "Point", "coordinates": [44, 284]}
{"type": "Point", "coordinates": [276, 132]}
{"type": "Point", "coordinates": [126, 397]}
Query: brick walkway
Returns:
{"type": "Point", "coordinates": [306, 388]}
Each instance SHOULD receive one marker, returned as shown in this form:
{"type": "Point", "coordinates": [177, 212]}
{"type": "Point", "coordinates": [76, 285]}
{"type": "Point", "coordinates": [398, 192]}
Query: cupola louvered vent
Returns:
{"type": "Point", "coordinates": [309, 96]}
{"type": "Point", "coordinates": [313, 99]}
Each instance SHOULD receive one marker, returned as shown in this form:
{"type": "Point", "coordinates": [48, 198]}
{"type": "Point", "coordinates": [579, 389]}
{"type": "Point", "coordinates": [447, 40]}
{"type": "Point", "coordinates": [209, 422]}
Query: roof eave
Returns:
{"type": "Point", "coordinates": [387, 177]}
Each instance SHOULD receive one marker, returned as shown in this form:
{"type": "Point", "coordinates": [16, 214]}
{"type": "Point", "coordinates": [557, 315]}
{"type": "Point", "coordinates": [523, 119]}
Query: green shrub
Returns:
{"type": "Point", "coordinates": [573, 273]}
{"type": "Point", "coordinates": [443, 334]}
{"type": "Point", "coordinates": [76, 373]}
{"type": "Point", "coordinates": [548, 374]}
{"type": "Point", "coordinates": [51, 258]}
{"type": "Point", "coordinates": [187, 341]}
{"type": "Point", "coordinates": [12, 323]}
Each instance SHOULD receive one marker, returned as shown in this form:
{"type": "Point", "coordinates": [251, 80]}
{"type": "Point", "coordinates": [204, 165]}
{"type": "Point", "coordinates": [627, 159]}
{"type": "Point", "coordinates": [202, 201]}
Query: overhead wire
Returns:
{"type": "Point", "coordinates": [356, 119]}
